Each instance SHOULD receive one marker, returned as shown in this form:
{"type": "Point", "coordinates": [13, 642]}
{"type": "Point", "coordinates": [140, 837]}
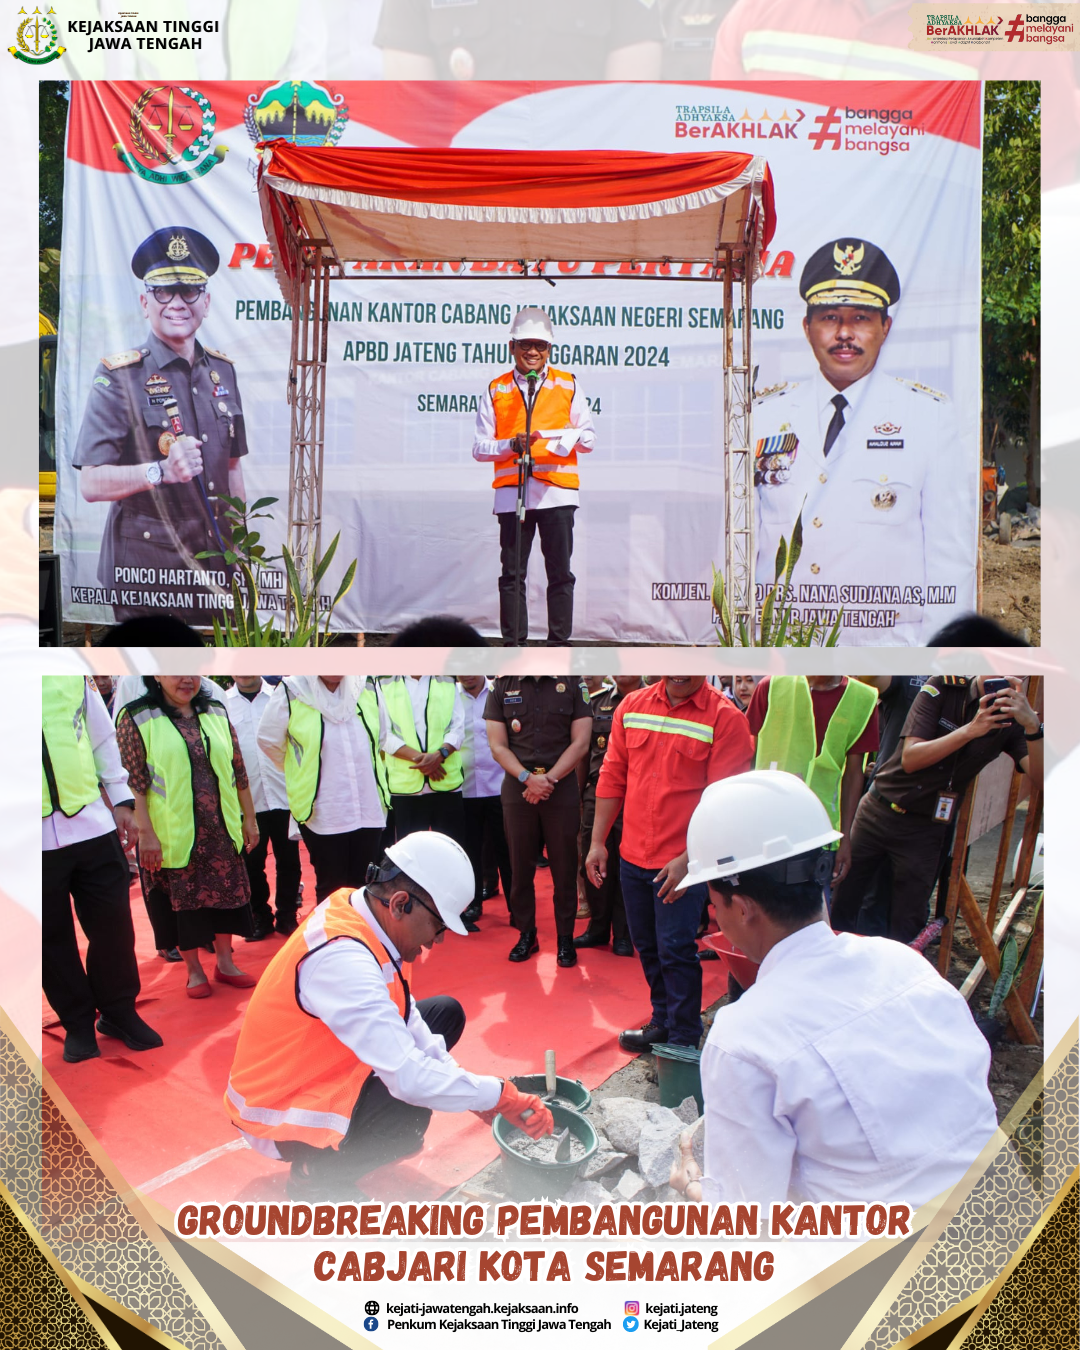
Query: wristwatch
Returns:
{"type": "Point", "coordinates": [445, 751]}
{"type": "Point", "coordinates": [524, 776]}
{"type": "Point", "coordinates": [153, 474]}
{"type": "Point", "coordinates": [1034, 735]}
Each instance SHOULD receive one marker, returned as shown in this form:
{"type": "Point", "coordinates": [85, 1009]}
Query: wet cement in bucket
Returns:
{"type": "Point", "coordinates": [543, 1149]}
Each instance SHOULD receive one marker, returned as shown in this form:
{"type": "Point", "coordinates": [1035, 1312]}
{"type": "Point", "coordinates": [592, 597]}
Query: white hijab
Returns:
{"type": "Point", "coordinates": [337, 705]}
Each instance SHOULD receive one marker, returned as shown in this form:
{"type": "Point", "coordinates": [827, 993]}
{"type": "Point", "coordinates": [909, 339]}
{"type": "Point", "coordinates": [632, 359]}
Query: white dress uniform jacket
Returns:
{"type": "Point", "coordinates": [890, 516]}
{"type": "Point", "coordinates": [849, 1071]}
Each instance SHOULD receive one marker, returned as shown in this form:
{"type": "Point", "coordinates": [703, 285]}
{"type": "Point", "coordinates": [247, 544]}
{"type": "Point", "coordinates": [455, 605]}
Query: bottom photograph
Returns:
{"type": "Point", "coordinates": [414, 1005]}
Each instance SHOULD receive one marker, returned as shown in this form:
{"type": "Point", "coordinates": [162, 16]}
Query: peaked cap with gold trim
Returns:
{"type": "Point", "coordinates": [175, 256]}
{"type": "Point", "coordinates": [850, 272]}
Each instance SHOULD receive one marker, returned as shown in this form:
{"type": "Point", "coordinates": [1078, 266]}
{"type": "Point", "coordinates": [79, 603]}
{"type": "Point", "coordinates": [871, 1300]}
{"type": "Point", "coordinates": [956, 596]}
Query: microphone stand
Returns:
{"type": "Point", "coordinates": [525, 463]}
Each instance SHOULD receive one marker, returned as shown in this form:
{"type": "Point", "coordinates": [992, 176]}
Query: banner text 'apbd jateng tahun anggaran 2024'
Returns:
{"type": "Point", "coordinates": [873, 183]}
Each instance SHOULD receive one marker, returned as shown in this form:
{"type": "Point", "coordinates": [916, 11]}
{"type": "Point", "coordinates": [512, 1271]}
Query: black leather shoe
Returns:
{"type": "Point", "coordinates": [588, 939]}
{"type": "Point", "coordinates": [567, 956]}
{"type": "Point", "coordinates": [171, 955]}
{"type": "Point", "coordinates": [260, 931]}
{"type": "Point", "coordinates": [80, 1045]}
{"type": "Point", "coordinates": [285, 924]}
{"type": "Point", "coordinates": [622, 947]}
{"type": "Point", "coordinates": [132, 1030]}
{"type": "Point", "coordinates": [637, 1042]}
{"type": "Point", "coordinates": [471, 927]}
{"type": "Point", "coordinates": [489, 892]}
{"type": "Point", "coordinates": [472, 912]}
{"type": "Point", "coordinates": [525, 946]}
{"type": "Point", "coordinates": [542, 861]}
{"type": "Point", "coordinates": [707, 954]}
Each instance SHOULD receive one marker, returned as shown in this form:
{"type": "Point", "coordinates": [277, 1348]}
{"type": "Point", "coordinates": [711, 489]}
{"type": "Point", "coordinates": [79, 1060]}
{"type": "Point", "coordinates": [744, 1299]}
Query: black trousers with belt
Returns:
{"type": "Point", "coordinates": [93, 874]}
{"type": "Point", "coordinates": [913, 844]}
{"type": "Point", "coordinates": [556, 526]}
{"type": "Point", "coordinates": [381, 1128]}
{"type": "Point", "coordinates": [553, 823]}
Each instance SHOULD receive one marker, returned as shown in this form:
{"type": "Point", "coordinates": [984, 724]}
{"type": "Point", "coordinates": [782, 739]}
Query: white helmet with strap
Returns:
{"type": "Point", "coordinates": [755, 820]}
{"type": "Point", "coordinates": [441, 866]}
{"type": "Point", "coordinates": [531, 322]}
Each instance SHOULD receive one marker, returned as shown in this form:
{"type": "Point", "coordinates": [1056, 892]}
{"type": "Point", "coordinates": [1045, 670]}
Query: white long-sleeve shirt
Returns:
{"type": "Point", "coordinates": [850, 1070]}
{"type": "Point", "coordinates": [343, 986]}
{"type": "Point", "coordinates": [418, 689]}
{"type": "Point", "coordinates": [348, 795]}
{"type": "Point", "coordinates": [539, 495]}
{"type": "Point", "coordinates": [483, 777]}
{"type": "Point", "coordinates": [265, 778]}
{"type": "Point", "coordinates": [95, 819]}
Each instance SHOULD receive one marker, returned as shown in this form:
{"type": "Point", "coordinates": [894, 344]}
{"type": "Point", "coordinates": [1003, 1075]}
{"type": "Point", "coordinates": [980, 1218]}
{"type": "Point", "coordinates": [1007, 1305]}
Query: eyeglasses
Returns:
{"type": "Point", "coordinates": [532, 344]}
{"type": "Point", "coordinates": [165, 295]}
{"type": "Point", "coordinates": [441, 928]}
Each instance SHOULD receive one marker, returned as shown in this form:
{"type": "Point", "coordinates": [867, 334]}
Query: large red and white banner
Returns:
{"type": "Point", "coordinates": [890, 524]}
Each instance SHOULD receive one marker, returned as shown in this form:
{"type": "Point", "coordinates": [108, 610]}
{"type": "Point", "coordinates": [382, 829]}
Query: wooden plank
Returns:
{"type": "Point", "coordinates": [956, 877]}
{"type": "Point", "coordinates": [1003, 847]}
{"type": "Point", "coordinates": [973, 917]}
{"type": "Point", "coordinates": [978, 970]}
{"type": "Point", "coordinates": [1029, 978]}
{"type": "Point", "coordinates": [1030, 836]}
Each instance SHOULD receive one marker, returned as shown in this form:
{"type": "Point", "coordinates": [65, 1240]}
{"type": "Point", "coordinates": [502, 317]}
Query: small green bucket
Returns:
{"type": "Point", "coordinates": [678, 1073]}
{"type": "Point", "coordinates": [572, 1089]}
{"type": "Point", "coordinates": [533, 1179]}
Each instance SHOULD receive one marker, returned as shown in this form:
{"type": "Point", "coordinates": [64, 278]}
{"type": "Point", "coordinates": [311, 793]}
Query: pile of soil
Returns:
{"type": "Point", "coordinates": [1011, 586]}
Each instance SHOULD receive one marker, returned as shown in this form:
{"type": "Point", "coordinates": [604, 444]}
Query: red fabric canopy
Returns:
{"type": "Point", "coordinates": [450, 204]}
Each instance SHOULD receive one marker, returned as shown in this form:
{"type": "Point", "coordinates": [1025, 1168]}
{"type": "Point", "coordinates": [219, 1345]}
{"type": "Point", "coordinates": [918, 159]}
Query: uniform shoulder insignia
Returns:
{"type": "Point", "coordinates": [220, 356]}
{"type": "Point", "coordinates": [931, 690]}
{"type": "Point", "coordinates": [773, 389]}
{"type": "Point", "coordinates": [917, 388]}
{"type": "Point", "coordinates": [960, 681]}
{"type": "Point", "coordinates": [132, 357]}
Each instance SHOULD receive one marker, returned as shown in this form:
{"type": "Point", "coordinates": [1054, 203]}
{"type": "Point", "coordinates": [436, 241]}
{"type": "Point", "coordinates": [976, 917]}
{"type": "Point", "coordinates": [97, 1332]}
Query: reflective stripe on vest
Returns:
{"type": "Point", "coordinates": [171, 799]}
{"type": "Point", "coordinates": [668, 726]}
{"type": "Point", "coordinates": [369, 714]}
{"type": "Point", "coordinates": [788, 739]}
{"type": "Point", "coordinates": [303, 757]}
{"type": "Point", "coordinates": [551, 410]}
{"type": "Point", "coordinates": [291, 1077]}
{"type": "Point", "coordinates": [69, 779]}
{"type": "Point", "coordinates": [403, 778]}
{"type": "Point", "coordinates": [822, 57]}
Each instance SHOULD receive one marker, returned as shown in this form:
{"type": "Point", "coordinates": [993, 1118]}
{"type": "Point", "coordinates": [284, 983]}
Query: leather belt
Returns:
{"type": "Point", "coordinates": [539, 769]}
{"type": "Point", "coordinates": [900, 810]}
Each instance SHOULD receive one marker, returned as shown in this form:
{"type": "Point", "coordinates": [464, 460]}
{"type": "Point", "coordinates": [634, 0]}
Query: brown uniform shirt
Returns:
{"type": "Point", "coordinates": [942, 705]}
{"type": "Point", "coordinates": [537, 711]}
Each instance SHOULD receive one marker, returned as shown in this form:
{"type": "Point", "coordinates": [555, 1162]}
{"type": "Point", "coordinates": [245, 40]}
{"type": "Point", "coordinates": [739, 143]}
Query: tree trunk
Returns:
{"type": "Point", "coordinates": [1033, 453]}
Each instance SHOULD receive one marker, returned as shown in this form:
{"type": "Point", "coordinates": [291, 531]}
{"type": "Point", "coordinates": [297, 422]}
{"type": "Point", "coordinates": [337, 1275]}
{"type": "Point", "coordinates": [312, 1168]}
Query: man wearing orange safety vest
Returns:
{"type": "Point", "coordinates": [337, 1069]}
{"type": "Point", "coordinates": [561, 428]}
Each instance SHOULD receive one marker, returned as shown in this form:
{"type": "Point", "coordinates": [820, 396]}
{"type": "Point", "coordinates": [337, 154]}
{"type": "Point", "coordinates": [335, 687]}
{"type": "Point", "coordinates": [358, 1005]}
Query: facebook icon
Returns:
{"type": "Point", "coordinates": [371, 1324]}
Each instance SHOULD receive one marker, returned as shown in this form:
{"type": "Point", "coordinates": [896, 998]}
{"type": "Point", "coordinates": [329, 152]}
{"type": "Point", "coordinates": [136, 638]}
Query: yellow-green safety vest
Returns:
{"type": "Point", "coordinates": [69, 779]}
{"type": "Point", "coordinates": [171, 798]}
{"type": "Point", "coordinates": [405, 780]}
{"type": "Point", "coordinates": [788, 740]}
{"type": "Point", "coordinates": [303, 751]}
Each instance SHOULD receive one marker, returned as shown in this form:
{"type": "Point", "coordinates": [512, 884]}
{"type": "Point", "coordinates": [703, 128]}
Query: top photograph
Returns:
{"type": "Point", "coordinates": [695, 363]}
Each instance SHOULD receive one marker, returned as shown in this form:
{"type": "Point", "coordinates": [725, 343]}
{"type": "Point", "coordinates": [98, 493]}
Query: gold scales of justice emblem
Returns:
{"type": "Point", "coordinates": [37, 38]}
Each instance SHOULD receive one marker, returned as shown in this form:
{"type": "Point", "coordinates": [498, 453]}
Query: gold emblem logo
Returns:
{"type": "Point", "coordinates": [884, 500]}
{"type": "Point", "coordinates": [37, 38]}
{"type": "Point", "coordinates": [887, 429]}
{"type": "Point", "coordinates": [848, 260]}
{"type": "Point", "coordinates": [178, 249]}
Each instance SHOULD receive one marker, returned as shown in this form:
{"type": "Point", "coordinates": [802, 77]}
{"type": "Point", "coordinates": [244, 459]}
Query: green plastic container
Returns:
{"type": "Point", "coordinates": [678, 1073]}
{"type": "Point", "coordinates": [532, 1179]}
{"type": "Point", "coordinates": [573, 1089]}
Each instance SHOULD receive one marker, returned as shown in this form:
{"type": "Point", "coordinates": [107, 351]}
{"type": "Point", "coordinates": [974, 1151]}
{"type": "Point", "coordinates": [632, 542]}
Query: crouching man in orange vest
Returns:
{"type": "Point", "coordinates": [561, 428]}
{"type": "Point", "coordinates": [337, 1069]}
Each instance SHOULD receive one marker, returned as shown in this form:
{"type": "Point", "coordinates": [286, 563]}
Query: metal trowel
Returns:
{"type": "Point", "coordinates": [562, 1147]}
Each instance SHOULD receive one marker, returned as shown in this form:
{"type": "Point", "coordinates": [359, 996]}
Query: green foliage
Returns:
{"type": "Point", "coordinates": [244, 556]}
{"type": "Point", "coordinates": [1012, 963]}
{"type": "Point", "coordinates": [1011, 244]}
{"type": "Point", "coordinates": [779, 627]}
{"type": "Point", "coordinates": [52, 121]}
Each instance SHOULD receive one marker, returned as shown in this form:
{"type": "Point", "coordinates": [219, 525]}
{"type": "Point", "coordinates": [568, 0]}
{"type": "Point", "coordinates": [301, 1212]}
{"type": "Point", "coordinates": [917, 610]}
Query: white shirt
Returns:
{"type": "Point", "coordinates": [889, 520]}
{"type": "Point", "coordinates": [850, 1070]}
{"type": "Point", "coordinates": [539, 496]}
{"type": "Point", "coordinates": [95, 818]}
{"type": "Point", "coordinates": [483, 777]}
{"type": "Point", "coordinates": [344, 987]}
{"type": "Point", "coordinates": [265, 778]}
{"type": "Point", "coordinates": [348, 795]}
{"type": "Point", "coordinates": [418, 696]}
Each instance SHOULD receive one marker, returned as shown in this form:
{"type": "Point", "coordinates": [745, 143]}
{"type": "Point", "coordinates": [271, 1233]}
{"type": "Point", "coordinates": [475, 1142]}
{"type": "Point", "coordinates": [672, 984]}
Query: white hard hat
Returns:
{"type": "Point", "coordinates": [442, 867]}
{"type": "Point", "coordinates": [531, 322]}
{"type": "Point", "coordinates": [751, 820]}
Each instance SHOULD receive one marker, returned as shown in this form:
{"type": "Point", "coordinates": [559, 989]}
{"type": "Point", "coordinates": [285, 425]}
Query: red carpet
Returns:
{"type": "Point", "coordinates": [158, 1113]}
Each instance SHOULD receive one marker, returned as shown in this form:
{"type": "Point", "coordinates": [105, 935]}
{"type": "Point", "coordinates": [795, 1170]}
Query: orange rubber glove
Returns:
{"type": "Point", "coordinates": [514, 1104]}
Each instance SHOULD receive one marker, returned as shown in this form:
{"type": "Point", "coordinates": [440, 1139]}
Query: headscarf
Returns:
{"type": "Point", "coordinates": [336, 706]}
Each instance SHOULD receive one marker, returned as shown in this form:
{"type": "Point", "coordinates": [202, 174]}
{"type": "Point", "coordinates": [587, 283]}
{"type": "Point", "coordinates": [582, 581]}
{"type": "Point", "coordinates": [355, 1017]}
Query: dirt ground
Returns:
{"type": "Point", "coordinates": [1012, 1065]}
{"type": "Point", "coordinates": [1011, 586]}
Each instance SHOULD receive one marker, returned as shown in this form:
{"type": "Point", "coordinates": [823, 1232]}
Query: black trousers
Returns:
{"type": "Point", "coordinates": [484, 830]}
{"type": "Point", "coordinates": [556, 526]}
{"type": "Point", "coordinates": [913, 845]}
{"type": "Point", "coordinates": [442, 811]}
{"type": "Point", "coordinates": [607, 913]}
{"type": "Point", "coordinates": [341, 859]}
{"type": "Point", "coordinates": [381, 1128]}
{"type": "Point", "coordinates": [93, 874]}
{"type": "Point", "coordinates": [553, 823]}
{"type": "Point", "coordinates": [274, 830]}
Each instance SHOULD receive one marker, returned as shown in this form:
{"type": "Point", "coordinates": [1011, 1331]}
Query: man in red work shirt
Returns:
{"type": "Point", "coordinates": [668, 743]}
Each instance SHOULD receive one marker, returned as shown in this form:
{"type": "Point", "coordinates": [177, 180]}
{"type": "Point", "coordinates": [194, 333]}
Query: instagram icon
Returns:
{"type": "Point", "coordinates": [631, 1308]}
